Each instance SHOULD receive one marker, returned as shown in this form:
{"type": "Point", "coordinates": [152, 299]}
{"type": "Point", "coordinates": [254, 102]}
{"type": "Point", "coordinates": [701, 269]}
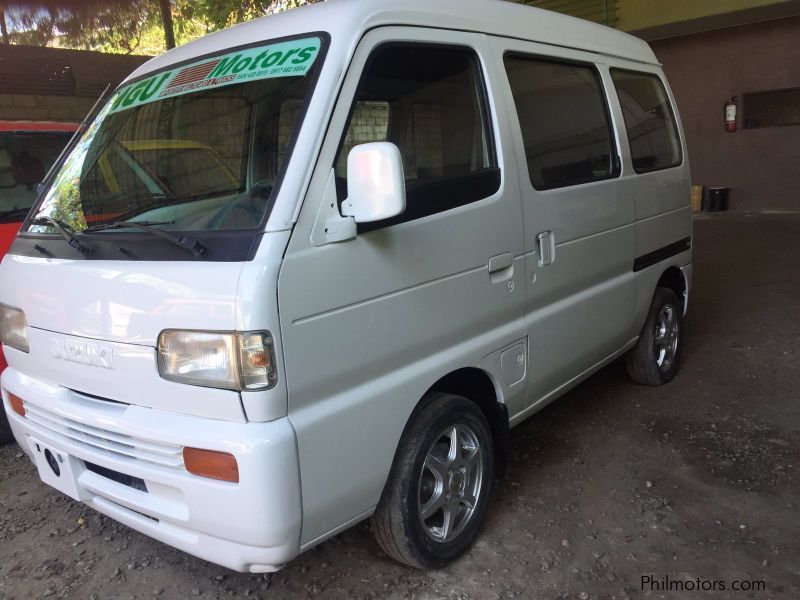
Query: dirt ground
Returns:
{"type": "Point", "coordinates": [696, 480]}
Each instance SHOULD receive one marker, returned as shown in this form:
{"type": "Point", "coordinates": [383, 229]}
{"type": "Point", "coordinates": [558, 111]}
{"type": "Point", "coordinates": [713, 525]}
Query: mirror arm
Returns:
{"type": "Point", "coordinates": [330, 226]}
{"type": "Point", "coordinates": [340, 229]}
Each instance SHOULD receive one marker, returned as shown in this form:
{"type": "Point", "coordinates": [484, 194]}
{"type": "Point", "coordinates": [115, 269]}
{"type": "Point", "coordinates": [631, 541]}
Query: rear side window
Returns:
{"type": "Point", "coordinates": [649, 120]}
{"type": "Point", "coordinates": [565, 122]}
{"type": "Point", "coordinates": [429, 101]}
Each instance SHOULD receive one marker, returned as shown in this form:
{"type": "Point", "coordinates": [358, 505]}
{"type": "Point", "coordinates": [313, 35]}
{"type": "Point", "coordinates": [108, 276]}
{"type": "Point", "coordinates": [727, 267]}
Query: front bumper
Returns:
{"type": "Point", "coordinates": [252, 526]}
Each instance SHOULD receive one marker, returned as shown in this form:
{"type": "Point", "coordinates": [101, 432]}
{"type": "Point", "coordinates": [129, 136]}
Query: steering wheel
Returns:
{"type": "Point", "coordinates": [252, 205]}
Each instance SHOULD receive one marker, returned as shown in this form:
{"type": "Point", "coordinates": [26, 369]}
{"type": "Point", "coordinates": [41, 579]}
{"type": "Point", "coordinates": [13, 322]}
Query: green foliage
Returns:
{"type": "Point", "coordinates": [67, 206]}
{"type": "Point", "coordinates": [224, 13]}
{"type": "Point", "coordinates": [128, 26]}
{"type": "Point", "coordinates": [85, 25]}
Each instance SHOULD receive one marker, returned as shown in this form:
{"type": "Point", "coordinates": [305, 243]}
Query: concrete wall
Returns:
{"type": "Point", "coordinates": [43, 108]}
{"type": "Point", "coordinates": [55, 84]}
{"type": "Point", "coordinates": [762, 166]}
{"type": "Point", "coordinates": [369, 123]}
{"type": "Point", "coordinates": [642, 14]}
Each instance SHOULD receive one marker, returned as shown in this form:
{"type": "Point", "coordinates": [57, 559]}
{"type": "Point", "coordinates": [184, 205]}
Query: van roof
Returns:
{"type": "Point", "coordinates": [349, 19]}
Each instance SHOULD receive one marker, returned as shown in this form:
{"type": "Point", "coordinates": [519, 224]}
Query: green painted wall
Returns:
{"type": "Point", "coordinates": [641, 14]}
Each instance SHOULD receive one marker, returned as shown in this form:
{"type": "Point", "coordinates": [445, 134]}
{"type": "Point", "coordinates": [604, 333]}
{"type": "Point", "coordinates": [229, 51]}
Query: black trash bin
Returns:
{"type": "Point", "coordinates": [717, 199]}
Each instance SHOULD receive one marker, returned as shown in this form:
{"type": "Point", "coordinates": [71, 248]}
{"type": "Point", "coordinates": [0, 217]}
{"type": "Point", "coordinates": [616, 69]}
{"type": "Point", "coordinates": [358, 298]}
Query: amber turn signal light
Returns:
{"type": "Point", "coordinates": [212, 464]}
{"type": "Point", "coordinates": [16, 404]}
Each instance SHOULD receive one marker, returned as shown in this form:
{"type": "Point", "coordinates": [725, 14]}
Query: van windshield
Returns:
{"type": "Point", "coordinates": [196, 147]}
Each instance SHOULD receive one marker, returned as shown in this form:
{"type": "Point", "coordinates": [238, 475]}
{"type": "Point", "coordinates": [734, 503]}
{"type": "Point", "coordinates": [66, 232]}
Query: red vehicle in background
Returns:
{"type": "Point", "coordinates": [27, 150]}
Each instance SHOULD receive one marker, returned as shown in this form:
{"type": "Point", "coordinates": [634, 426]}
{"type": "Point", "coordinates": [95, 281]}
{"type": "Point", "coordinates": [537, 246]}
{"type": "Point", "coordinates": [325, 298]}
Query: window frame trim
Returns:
{"type": "Point", "coordinates": [484, 106]}
{"type": "Point", "coordinates": [673, 112]}
{"type": "Point", "coordinates": [615, 155]}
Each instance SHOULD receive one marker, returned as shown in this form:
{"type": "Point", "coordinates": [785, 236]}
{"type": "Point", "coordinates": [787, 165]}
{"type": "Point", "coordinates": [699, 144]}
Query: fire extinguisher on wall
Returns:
{"type": "Point", "coordinates": [730, 115]}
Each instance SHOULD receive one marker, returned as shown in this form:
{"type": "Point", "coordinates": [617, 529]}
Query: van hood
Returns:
{"type": "Point", "coordinates": [120, 301]}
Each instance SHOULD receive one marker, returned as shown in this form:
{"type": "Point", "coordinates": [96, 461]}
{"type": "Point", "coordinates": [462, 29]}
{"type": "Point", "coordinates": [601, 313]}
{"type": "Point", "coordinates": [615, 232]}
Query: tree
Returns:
{"type": "Point", "coordinates": [78, 24]}
{"type": "Point", "coordinates": [166, 20]}
{"type": "Point", "coordinates": [130, 26]}
{"type": "Point", "coordinates": [3, 28]}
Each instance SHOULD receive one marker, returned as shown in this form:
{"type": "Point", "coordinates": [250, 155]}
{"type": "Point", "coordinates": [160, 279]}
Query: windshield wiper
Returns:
{"type": "Point", "coordinates": [187, 243]}
{"type": "Point", "coordinates": [122, 224]}
{"type": "Point", "coordinates": [65, 231]}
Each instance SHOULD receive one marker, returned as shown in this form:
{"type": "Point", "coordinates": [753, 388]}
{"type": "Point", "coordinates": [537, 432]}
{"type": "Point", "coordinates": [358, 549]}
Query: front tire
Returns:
{"type": "Point", "coordinates": [655, 357]}
{"type": "Point", "coordinates": [437, 493]}
{"type": "Point", "coordinates": [6, 436]}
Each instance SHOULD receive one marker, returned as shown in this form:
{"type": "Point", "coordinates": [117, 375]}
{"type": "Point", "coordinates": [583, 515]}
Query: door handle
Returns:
{"type": "Point", "coordinates": [545, 248]}
{"type": "Point", "coordinates": [500, 262]}
{"type": "Point", "coordinates": [501, 267]}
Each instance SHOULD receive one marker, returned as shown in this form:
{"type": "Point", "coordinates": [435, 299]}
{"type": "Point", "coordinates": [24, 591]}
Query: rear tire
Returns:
{"type": "Point", "coordinates": [655, 358]}
{"type": "Point", "coordinates": [437, 493]}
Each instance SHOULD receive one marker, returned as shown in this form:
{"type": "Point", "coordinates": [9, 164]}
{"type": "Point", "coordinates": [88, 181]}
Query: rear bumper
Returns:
{"type": "Point", "coordinates": [687, 278]}
{"type": "Point", "coordinates": [250, 526]}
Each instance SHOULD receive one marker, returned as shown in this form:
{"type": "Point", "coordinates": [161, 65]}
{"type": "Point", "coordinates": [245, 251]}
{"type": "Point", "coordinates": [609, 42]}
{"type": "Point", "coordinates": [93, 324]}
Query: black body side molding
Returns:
{"type": "Point", "coordinates": [656, 256]}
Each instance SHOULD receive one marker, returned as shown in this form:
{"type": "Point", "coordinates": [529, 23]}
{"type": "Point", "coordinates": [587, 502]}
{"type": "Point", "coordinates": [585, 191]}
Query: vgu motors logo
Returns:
{"type": "Point", "coordinates": [84, 353]}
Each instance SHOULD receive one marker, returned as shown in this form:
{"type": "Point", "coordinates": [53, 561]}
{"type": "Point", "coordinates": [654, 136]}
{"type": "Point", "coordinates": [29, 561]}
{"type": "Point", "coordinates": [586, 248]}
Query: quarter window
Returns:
{"type": "Point", "coordinates": [564, 120]}
{"type": "Point", "coordinates": [649, 120]}
{"type": "Point", "coordinates": [429, 101]}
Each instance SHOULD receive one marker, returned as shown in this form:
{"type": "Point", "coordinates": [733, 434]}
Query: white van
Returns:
{"type": "Point", "coordinates": [311, 269]}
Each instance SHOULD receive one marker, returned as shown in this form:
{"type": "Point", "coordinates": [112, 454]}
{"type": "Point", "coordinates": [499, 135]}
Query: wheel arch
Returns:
{"type": "Point", "coordinates": [479, 387]}
{"type": "Point", "coordinates": [674, 279]}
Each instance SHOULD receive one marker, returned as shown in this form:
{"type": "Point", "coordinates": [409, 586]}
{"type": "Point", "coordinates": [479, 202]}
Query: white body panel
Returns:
{"type": "Point", "coordinates": [359, 378]}
{"type": "Point", "coordinates": [221, 522]}
{"type": "Point", "coordinates": [362, 328]}
{"type": "Point", "coordinates": [121, 307]}
{"type": "Point", "coordinates": [122, 301]}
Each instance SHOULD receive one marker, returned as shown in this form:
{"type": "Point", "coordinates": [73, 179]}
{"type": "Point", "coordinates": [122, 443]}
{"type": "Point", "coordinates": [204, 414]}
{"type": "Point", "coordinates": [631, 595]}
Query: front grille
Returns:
{"type": "Point", "coordinates": [116, 444]}
{"type": "Point", "coordinates": [99, 398]}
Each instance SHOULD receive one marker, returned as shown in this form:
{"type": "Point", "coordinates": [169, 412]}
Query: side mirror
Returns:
{"type": "Point", "coordinates": [376, 187]}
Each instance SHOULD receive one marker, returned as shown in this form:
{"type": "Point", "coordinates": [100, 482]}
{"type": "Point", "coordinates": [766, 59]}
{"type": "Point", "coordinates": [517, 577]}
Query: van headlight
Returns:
{"type": "Point", "coordinates": [13, 328]}
{"type": "Point", "coordinates": [232, 361]}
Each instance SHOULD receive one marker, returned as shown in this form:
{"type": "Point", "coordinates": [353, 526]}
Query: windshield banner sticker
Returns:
{"type": "Point", "coordinates": [286, 59]}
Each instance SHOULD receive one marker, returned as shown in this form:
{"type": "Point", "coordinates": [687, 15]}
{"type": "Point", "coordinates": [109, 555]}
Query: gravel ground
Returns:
{"type": "Point", "coordinates": [699, 479]}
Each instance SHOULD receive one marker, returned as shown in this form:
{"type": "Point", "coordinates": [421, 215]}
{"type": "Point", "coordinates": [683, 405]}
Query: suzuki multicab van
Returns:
{"type": "Point", "coordinates": [311, 269]}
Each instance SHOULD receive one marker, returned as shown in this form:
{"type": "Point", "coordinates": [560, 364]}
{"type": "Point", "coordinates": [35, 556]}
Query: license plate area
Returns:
{"type": "Point", "coordinates": [58, 469]}
{"type": "Point", "coordinates": [128, 480]}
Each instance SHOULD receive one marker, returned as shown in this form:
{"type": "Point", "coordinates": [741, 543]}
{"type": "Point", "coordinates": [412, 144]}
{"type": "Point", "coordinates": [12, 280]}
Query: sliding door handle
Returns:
{"type": "Point", "coordinates": [545, 248]}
